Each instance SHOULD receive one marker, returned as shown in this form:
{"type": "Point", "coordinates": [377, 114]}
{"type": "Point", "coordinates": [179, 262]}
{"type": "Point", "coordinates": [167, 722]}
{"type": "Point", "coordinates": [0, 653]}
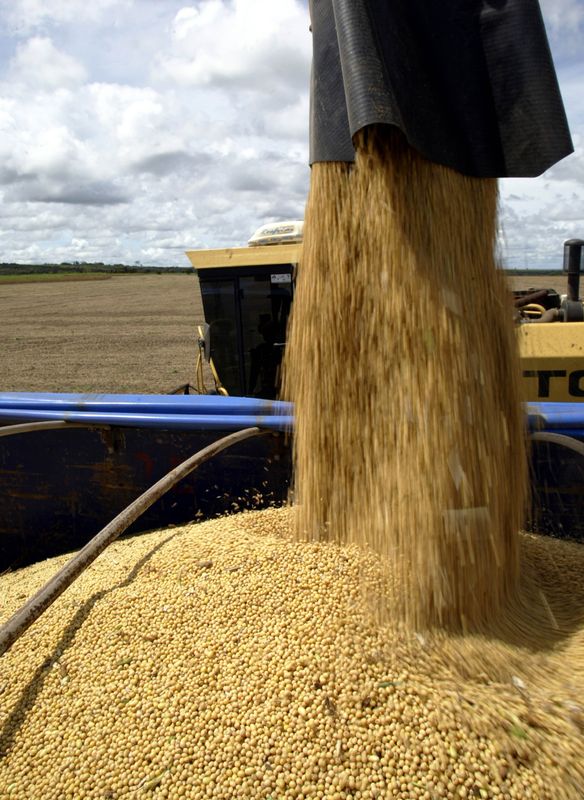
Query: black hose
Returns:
{"type": "Point", "coordinates": [532, 297]}
{"type": "Point", "coordinates": [38, 604]}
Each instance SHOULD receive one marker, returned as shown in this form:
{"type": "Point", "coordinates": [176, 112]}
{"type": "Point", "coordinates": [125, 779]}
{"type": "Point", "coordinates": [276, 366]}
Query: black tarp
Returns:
{"type": "Point", "coordinates": [470, 83]}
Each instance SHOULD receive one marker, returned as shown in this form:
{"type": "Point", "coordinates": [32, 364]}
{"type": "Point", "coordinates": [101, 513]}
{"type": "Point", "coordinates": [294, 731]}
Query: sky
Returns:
{"type": "Point", "coordinates": [133, 130]}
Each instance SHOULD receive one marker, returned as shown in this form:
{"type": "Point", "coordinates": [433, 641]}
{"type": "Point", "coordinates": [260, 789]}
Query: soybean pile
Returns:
{"type": "Point", "coordinates": [228, 660]}
{"type": "Point", "coordinates": [403, 368]}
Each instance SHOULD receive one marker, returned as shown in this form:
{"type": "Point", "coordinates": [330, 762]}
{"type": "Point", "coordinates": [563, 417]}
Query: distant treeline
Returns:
{"type": "Point", "coordinates": [28, 269]}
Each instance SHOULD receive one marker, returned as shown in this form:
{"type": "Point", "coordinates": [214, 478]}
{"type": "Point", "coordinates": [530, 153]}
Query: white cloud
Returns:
{"type": "Point", "coordinates": [54, 151]}
{"type": "Point", "coordinates": [562, 16]}
{"type": "Point", "coordinates": [255, 45]}
{"type": "Point", "coordinates": [8, 107]}
{"type": "Point", "coordinates": [27, 15]}
{"type": "Point", "coordinates": [132, 118]}
{"type": "Point", "coordinates": [290, 121]}
{"type": "Point", "coordinates": [39, 64]}
{"type": "Point", "coordinates": [118, 171]}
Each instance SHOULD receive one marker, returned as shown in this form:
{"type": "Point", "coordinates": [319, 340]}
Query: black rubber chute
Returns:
{"type": "Point", "coordinates": [470, 83]}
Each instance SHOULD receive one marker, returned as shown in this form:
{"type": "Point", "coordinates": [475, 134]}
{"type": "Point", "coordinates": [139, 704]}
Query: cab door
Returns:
{"type": "Point", "coordinates": [265, 302]}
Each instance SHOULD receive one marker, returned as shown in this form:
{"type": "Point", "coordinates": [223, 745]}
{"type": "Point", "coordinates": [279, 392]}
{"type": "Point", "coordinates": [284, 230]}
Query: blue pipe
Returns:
{"type": "Point", "coordinates": [556, 415]}
{"type": "Point", "coordinates": [151, 404]}
{"type": "Point", "coordinates": [212, 411]}
{"type": "Point", "coordinates": [163, 421]}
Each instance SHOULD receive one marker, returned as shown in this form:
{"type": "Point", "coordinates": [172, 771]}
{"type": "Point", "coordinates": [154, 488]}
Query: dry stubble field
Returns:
{"type": "Point", "coordinates": [130, 333]}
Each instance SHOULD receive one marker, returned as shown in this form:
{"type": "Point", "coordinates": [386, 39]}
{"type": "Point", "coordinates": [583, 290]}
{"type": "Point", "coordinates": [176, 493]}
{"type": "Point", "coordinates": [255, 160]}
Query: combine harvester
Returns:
{"type": "Point", "coordinates": [70, 463]}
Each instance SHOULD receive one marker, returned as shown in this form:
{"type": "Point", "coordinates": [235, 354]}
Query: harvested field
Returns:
{"type": "Point", "coordinates": [553, 281]}
{"type": "Point", "coordinates": [131, 333]}
{"type": "Point", "coordinates": [134, 333]}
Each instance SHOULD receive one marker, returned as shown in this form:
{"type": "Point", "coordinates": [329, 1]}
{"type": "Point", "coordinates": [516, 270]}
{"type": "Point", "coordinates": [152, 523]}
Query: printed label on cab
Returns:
{"type": "Point", "coordinates": [557, 384]}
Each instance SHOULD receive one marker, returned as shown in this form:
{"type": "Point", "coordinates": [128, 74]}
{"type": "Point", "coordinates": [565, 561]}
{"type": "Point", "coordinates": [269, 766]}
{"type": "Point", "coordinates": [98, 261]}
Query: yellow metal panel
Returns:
{"type": "Point", "coordinates": [552, 361]}
{"type": "Point", "coordinates": [245, 256]}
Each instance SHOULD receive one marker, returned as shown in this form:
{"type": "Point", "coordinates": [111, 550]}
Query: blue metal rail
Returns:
{"type": "Point", "coordinates": [174, 412]}
{"type": "Point", "coordinates": [212, 412]}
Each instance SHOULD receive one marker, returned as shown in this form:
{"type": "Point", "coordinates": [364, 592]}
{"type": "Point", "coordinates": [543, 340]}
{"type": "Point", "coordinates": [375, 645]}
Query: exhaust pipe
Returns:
{"type": "Point", "coordinates": [572, 263]}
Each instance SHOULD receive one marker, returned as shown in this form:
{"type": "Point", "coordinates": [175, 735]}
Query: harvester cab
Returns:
{"type": "Point", "coordinates": [247, 294]}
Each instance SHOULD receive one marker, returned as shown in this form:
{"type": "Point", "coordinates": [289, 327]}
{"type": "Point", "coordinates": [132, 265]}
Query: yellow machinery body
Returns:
{"type": "Point", "coordinates": [552, 354]}
{"type": "Point", "coordinates": [552, 361]}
